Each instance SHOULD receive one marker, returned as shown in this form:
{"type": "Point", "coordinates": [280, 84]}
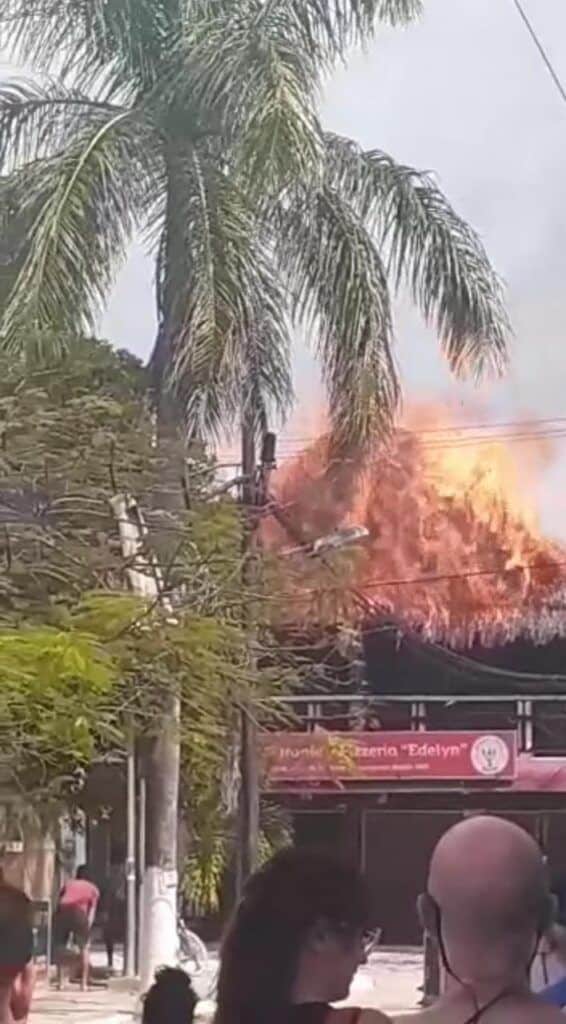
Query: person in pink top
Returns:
{"type": "Point", "coordinates": [74, 919]}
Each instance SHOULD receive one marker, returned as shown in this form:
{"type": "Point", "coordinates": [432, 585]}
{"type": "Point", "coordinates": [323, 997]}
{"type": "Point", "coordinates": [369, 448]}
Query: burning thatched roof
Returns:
{"type": "Point", "coordinates": [454, 552]}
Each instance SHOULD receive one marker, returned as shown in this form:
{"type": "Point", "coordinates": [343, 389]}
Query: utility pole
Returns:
{"type": "Point", "coordinates": [158, 903]}
{"type": "Point", "coordinates": [254, 497]}
{"type": "Point", "coordinates": [131, 879]}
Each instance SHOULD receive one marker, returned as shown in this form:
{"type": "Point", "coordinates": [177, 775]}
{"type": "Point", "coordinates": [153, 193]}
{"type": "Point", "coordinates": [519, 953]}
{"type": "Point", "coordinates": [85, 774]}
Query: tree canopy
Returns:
{"type": "Point", "coordinates": [81, 657]}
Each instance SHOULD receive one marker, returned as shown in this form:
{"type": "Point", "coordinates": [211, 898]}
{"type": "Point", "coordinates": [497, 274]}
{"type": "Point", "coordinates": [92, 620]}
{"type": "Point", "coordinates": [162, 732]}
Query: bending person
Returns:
{"type": "Point", "coordinates": [294, 944]}
{"type": "Point", "coordinates": [487, 906]}
{"type": "Point", "coordinates": [74, 919]}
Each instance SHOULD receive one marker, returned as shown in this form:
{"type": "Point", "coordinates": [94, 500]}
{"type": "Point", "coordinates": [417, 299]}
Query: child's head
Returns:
{"type": "Point", "coordinates": [171, 998]}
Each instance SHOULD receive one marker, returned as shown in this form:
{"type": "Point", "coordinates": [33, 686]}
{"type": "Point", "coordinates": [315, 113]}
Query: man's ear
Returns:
{"type": "Point", "coordinates": [428, 914]}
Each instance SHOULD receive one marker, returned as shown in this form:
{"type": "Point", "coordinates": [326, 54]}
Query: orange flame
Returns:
{"type": "Point", "coordinates": [455, 550]}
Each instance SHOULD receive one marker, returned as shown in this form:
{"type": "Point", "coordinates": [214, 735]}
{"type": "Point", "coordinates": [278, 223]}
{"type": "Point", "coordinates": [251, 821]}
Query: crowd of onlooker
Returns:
{"type": "Point", "coordinates": [301, 930]}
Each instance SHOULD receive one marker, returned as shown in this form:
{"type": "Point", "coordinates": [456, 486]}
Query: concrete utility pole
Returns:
{"type": "Point", "coordinates": [131, 873]}
{"type": "Point", "coordinates": [254, 497]}
{"type": "Point", "coordinates": [158, 901]}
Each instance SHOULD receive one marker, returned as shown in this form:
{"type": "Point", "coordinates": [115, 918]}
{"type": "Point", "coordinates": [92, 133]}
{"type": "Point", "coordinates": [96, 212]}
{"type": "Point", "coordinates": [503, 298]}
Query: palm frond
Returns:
{"type": "Point", "coordinates": [96, 37]}
{"type": "Point", "coordinates": [76, 212]}
{"type": "Point", "coordinates": [230, 327]}
{"type": "Point", "coordinates": [249, 67]}
{"type": "Point", "coordinates": [265, 383]}
{"type": "Point", "coordinates": [339, 288]}
{"type": "Point", "coordinates": [37, 121]}
{"type": "Point", "coordinates": [432, 250]}
{"type": "Point", "coordinates": [330, 29]}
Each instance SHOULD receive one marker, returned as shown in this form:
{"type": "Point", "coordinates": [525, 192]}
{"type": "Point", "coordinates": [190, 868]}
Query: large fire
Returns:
{"type": "Point", "coordinates": [454, 550]}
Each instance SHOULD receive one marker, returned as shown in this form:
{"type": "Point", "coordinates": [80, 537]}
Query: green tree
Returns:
{"type": "Point", "coordinates": [81, 658]}
{"type": "Point", "coordinates": [79, 655]}
{"type": "Point", "coordinates": [196, 123]}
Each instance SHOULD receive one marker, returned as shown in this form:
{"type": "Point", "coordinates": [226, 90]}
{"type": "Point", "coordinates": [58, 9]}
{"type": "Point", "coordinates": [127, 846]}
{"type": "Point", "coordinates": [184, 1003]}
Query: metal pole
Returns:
{"type": "Point", "coordinates": [131, 895]}
{"type": "Point", "coordinates": [254, 497]}
{"type": "Point", "coordinates": [141, 860]}
{"type": "Point", "coordinates": [248, 810]}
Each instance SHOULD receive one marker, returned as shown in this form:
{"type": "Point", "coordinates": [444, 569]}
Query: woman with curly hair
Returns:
{"type": "Point", "coordinates": [294, 944]}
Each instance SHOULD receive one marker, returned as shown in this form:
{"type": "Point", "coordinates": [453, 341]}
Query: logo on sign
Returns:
{"type": "Point", "coordinates": [490, 755]}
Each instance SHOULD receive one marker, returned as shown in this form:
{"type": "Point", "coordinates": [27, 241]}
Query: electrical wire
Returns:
{"type": "Point", "coordinates": [294, 447]}
{"type": "Point", "coordinates": [458, 428]}
{"type": "Point", "coordinates": [437, 578]}
{"type": "Point", "coordinates": [546, 59]}
{"type": "Point", "coordinates": [290, 453]}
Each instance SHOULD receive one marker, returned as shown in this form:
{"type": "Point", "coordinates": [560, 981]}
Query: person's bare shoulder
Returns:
{"type": "Point", "coordinates": [422, 1017]}
{"type": "Point", "coordinates": [543, 1014]}
{"type": "Point", "coordinates": [346, 1016]}
{"type": "Point", "coordinates": [532, 1013]}
{"type": "Point", "coordinates": [373, 1017]}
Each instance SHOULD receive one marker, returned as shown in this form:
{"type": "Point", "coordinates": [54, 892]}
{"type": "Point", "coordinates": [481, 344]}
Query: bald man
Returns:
{"type": "Point", "coordinates": [487, 906]}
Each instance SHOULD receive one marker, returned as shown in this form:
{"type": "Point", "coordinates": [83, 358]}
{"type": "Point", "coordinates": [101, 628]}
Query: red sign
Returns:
{"type": "Point", "coordinates": [320, 757]}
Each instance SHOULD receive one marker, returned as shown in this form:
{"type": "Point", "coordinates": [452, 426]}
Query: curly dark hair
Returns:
{"type": "Point", "coordinates": [171, 998]}
{"type": "Point", "coordinates": [281, 904]}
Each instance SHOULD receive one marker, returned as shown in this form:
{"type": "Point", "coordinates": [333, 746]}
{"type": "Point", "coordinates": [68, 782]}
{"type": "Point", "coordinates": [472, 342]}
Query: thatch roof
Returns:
{"type": "Point", "coordinates": [452, 554]}
{"type": "Point", "coordinates": [398, 662]}
{"type": "Point", "coordinates": [539, 624]}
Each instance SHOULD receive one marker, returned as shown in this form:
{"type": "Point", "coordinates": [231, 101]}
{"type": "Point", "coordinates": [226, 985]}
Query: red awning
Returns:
{"type": "Point", "coordinates": [540, 774]}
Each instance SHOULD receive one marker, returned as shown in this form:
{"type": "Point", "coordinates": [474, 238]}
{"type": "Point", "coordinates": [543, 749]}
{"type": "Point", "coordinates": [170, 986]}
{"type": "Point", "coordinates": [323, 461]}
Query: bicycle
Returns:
{"type": "Point", "coordinates": [193, 954]}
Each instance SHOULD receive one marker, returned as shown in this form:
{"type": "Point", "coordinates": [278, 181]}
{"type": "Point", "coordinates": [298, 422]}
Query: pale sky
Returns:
{"type": "Point", "coordinates": [465, 94]}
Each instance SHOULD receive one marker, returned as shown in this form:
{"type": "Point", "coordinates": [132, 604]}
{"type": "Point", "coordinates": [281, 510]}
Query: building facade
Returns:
{"type": "Point", "coordinates": [380, 774]}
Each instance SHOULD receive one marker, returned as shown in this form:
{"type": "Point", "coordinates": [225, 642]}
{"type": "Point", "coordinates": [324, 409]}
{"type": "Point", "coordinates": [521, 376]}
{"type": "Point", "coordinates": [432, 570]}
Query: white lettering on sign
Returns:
{"type": "Point", "coordinates": [443, 751]}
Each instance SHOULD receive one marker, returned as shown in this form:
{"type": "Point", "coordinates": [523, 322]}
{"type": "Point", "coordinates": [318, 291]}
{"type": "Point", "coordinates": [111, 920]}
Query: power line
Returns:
{"type": "Point", "coordinates": [465, 442]}
{"type": "Point", "coordinates": [546, 59]}
{"type": "Point", "coordinates": [436, 578]}
{"type": "Point", "coordinates": [554, 427]}
{"type": "Point", "coordinates": [294, 452]}
{"type": "Point", "coordinates": [456, 428]}
{"type": "Point", "coordinates": [473, 442]}
{"type": "Point", "coordinates": [472, 573]}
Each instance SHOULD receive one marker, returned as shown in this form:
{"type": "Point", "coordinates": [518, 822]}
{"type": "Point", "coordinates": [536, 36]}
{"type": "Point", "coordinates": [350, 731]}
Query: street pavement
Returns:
{"type": "Point", "coordinates": [390, 982]}
{"type": "Point", "coordinates": [98, 1006]}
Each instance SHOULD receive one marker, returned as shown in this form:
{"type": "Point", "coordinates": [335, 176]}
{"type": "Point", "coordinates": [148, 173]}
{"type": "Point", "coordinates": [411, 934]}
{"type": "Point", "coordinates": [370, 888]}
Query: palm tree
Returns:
{"type": "Point", "coordinates": [195, 122]}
